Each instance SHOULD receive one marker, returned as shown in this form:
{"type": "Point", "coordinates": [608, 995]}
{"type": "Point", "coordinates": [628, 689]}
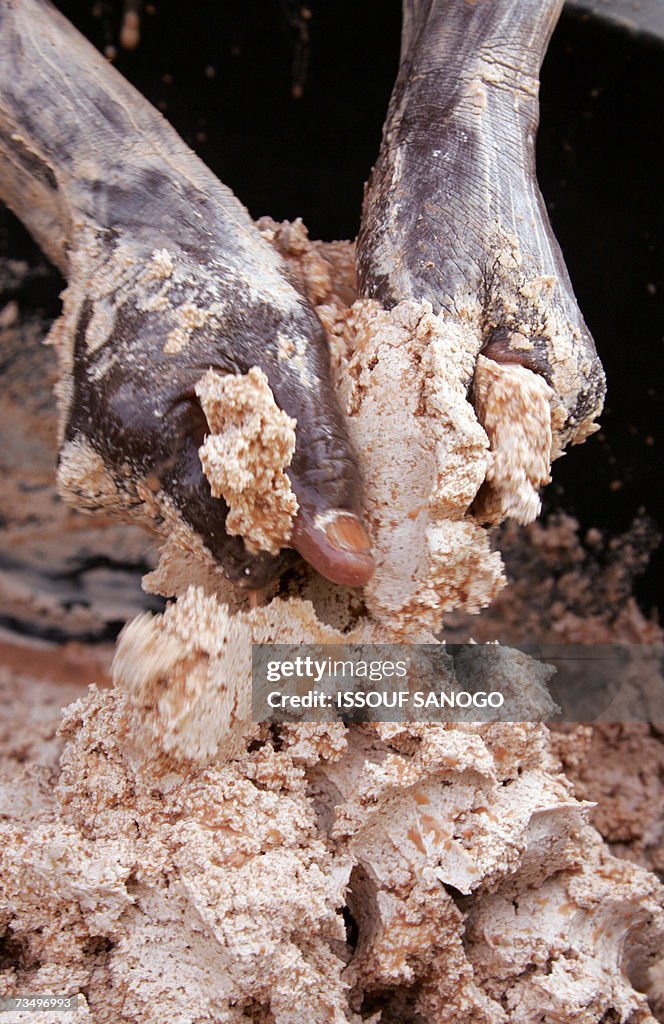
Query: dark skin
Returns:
{"type": "Point", "coordinates": [103, 182]}
{"type": "Point", "coordinates": [453, 213]}
{"type": "Point", "coordinates": [153, 420]}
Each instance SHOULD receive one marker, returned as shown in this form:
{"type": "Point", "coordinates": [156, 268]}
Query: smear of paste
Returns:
{"type": "Point", "coordinates": [244, 458]}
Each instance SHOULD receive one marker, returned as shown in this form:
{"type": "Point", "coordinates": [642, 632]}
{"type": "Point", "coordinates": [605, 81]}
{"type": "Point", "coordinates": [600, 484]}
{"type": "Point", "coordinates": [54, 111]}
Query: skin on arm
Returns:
{"type": "Point", "coordinates": [453, 213]}
{"type": "Point", "coordinates": [167, 277]}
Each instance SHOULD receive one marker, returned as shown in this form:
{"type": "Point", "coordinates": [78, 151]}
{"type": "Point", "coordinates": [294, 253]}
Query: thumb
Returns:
{"type": "Point", "coordinates": [324, 474]}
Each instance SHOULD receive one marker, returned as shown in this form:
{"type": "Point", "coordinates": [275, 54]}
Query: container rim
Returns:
{"type": "Point", "coordinates": [642, 17]}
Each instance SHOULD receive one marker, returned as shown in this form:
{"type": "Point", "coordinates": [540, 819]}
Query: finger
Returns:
{"type": "Point", "coordinates": [327, 531]}
{"type": "Point", "coordinates": [571, 367]}
{"type": "Point", "coordinates": [507, 346]}
{"type": "Point", "coordinates": [324, 474]}
{"type": "Point", "coordinates": [153, 422]}
{"type": "Point", "coordinates": [336, 544]}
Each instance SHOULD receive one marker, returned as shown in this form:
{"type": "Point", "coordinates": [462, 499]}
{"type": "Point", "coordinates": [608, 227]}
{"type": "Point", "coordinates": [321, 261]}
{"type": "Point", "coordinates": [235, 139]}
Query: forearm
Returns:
{"type": "Point", "coordinates": [475, 63]}
{"type": "Point", "coordinates": [453, 34]}
{"type": "Point", "coordinates": [79, 144]}
{"type": "Point", "coordinates": [463, 114]}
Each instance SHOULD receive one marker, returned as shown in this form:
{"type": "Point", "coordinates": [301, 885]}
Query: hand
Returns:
{"type": "Point", "coordinates": [103, 183]}
{"type": "Point", "coordinates": [141, 340]}
{"type": "Point", "coordinates": [453, 214]}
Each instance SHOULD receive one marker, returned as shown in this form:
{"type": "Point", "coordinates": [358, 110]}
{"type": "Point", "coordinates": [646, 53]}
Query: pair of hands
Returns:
{"type": "Point", "coordinates": [452, 216]}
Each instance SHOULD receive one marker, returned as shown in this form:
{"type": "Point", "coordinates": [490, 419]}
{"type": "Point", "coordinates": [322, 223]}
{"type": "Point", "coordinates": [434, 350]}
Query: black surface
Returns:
{"type": "Point", "coordinates": [601, 168]}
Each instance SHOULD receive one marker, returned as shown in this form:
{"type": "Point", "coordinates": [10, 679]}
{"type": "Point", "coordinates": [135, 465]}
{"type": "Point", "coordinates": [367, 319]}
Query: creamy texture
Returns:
{"type": "Point", "coordinates": [215, 891]}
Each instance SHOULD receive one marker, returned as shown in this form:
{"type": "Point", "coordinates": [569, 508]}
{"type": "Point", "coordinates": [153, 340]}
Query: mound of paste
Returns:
{"type": "Point", "coordinates": [325, 873]}
{"type": "Point", "coordinates": [182, 862]}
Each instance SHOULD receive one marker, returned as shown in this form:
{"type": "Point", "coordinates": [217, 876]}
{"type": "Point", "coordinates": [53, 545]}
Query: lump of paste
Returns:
{"type": "Point", "coordinates": [425, 456]}
{"type": "Point", "coordinates": [514, 407]}
{"type": "Point", "coordinates": [447, 439]}
{"type": "Point", "coordinates": [188, 671]}
{"type": "Point", "coordinates": [244, 458]}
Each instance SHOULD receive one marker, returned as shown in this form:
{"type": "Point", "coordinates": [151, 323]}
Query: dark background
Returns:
{"type": "Point", "coordinates": [287, 109]}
